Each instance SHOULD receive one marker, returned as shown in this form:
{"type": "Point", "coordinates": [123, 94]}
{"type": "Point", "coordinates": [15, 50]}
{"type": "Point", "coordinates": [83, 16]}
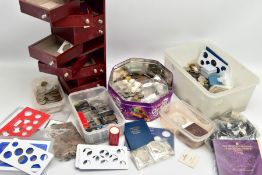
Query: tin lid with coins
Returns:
{"type": "Point", "coordinates": [189, 125]}
{"type": "Point", "coordinates": [48, 95]}
{"type": "Point", "coordinates": [141, 80]}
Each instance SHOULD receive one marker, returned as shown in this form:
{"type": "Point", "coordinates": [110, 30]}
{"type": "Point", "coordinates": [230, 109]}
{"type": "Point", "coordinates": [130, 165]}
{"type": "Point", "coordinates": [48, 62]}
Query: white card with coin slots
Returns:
{"type": "Point", "coordinates": [26, 157]}
{"type": "Point", "coordinates": [210, 62]}
{"type": "Point", "coordinates": [44, 145]}
{"type": "Point", "coordinates": [93, 157]}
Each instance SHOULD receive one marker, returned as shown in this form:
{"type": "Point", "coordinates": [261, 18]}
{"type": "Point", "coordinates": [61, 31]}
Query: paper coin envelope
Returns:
{"type": "Point", "coordinates": [26, 157]}
{"type": "Point", "coordinates": [101, 157]}
{"type": "Point", "coordinates": [189, 158]}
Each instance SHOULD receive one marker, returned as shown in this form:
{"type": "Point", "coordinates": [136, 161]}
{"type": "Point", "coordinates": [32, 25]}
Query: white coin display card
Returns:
{"type": "Point", "coordinates": [211, 62]}
{"type": "Point", "coordinates": [101, 157]}
{"type": "Point", "coordinates": [26, 157]}
{"type": "Point", "coordinates": [189, 158]}
{"type": "Point", "coordinates": [44, 145]}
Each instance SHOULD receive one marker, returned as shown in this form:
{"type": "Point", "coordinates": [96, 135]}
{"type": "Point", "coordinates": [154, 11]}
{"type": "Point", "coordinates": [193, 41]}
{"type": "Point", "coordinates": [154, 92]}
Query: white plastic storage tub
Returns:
{"type": "Point", "coordinates": [191, 91]}
{"type": "Point", "coordinates": [99, 135]}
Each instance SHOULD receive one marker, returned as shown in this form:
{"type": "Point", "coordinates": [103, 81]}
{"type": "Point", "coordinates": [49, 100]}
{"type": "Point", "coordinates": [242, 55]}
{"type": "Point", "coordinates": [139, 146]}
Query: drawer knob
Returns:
{"type": "Point", "coordinates": [101, 32]}
{"type": "Point", "coordinates": [51, 63]}
{"type": "Point", "coordinates": [100, 21]}
{"type": "Point", "coordinates": [95, 71]}
{"type": "Point", "coordinates": [66, 75]}
{"type": "Point", "coordinates": [87, 21]}
{"type": "Point", "coordinates": [101, 70]}
{"type": "Point", "coordinates": [44, 16]}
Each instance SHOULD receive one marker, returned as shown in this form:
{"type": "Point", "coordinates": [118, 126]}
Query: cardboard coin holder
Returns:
{"type": "Point", "coordinates": [23, 122]}
{"type": "Point", "coordinates": [6, 168]}
{"type": "Point", "coordinates": [26, 157]}
{"type": "Point", "coordinates": [160, 134]}
{"type": "Point", "coordinates": [93, 157]}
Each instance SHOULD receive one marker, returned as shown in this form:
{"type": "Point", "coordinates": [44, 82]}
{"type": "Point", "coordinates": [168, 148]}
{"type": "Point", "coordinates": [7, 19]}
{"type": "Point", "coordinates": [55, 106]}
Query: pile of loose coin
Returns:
{"type": "Point", "coordinates": [145, 87]}
{"type": "Point", "coordinates": [47, 94]}
{"type": "Point", "coordinates": [194, 71]}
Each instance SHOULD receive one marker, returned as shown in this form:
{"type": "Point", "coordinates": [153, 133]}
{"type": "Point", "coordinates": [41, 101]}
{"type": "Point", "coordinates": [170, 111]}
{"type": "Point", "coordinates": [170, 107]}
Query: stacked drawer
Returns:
{"type": "Point", "coordinates": [75, 51]}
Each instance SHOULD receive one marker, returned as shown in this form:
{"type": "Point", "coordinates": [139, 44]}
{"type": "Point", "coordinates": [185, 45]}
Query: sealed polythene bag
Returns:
{"type": "Point", "coordinates": [233, 126]}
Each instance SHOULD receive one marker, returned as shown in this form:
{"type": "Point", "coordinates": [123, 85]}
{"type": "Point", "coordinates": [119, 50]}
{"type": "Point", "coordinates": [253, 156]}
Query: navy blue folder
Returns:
{"type": "Point", "coordinates": [137, 134]}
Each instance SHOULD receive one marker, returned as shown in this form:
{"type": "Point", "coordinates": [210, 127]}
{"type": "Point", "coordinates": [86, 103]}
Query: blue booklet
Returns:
{"type": "Point", "coordinates": [160, 134]}
{"type": "Point", "coordinates": [137, 134]}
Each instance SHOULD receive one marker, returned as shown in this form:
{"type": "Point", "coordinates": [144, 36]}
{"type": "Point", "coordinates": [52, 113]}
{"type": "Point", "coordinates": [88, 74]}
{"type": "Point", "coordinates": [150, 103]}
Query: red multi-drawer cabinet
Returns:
{"type": "Point", "coordinates": [76, 49]}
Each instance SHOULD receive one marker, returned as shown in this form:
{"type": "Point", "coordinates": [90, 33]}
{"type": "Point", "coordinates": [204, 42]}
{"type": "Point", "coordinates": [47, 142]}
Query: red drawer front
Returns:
{"type": "Point", "coordinates": [87, 80]}
{"type": "Point", "coordinates": [79, 35]}
{"type": "Point", "coordinates": [45, 51]}
{"type": "Point", "coordinates": [69, 71]}
{"type": "Point", "coordinates": [80, 21]}
{"type": "Point", "coordinates": [71, 86]}
{"type": "Point", "coordinates": [91, 71]}
{"type": "Point", "coordinates": [72, 74]}
{"type": "Point", "coordinates": [49, 11]}
{"type": "Point", "coordinates": [82, 35]}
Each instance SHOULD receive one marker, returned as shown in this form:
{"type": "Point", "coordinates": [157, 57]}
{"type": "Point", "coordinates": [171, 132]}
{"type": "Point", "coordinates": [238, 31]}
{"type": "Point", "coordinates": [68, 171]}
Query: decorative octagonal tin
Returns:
{"type": "Point", "coordinates": [140, 87]}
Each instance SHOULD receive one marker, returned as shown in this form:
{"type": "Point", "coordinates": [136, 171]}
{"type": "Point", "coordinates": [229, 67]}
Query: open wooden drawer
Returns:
{"type": "Point", "coordinates": [49, 10]}
{"type": "Point", "coordinates": [89, 65]}
{"type": "Point", "coordinates": [92, 14]}
{"type": "Point", "coordinates": [80, 34]}
{"type": "Point", "coordinates": [46, 51]}
{"type": "Point", "coordinates": [88, 24]}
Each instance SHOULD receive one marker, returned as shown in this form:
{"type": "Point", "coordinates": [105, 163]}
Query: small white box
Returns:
{"type": "Point", "coordinates": [191, 91]}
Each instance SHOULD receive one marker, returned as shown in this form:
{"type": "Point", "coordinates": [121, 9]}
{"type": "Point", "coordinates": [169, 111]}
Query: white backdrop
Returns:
{"type": "Point", "coordinates": [138, 28]}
